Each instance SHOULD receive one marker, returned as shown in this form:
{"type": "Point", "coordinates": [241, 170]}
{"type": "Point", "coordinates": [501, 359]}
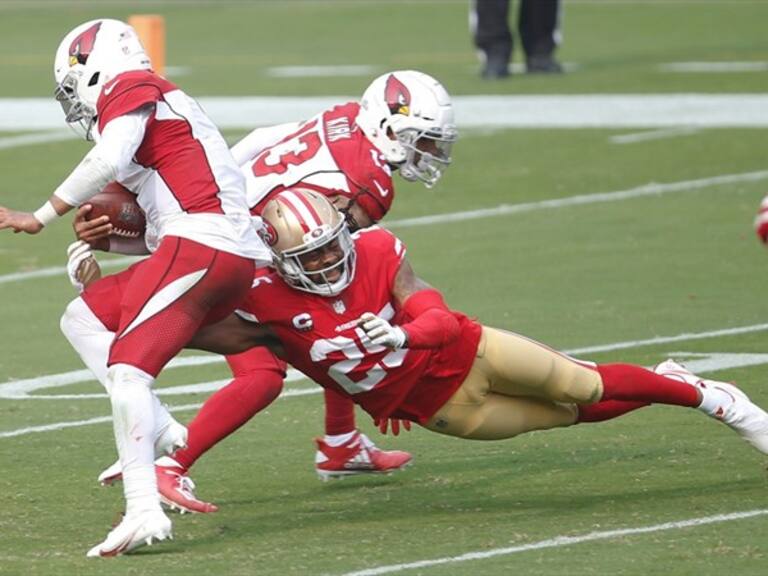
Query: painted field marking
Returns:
{"type": "Point", "coordinates": [104, 419]}
{"type": "Point", "coordinates": [38, 138]}
{"type": "Point", "coordinates": [560, 541]}
{"type": "Point", "coordinates": [652, 189]}
{"type": "Point", "coordinates": [62, 270]}
{"type": "Point", "coordinates": [320, 71]}
{"type": "Point", "coordinates": [529, 111]}
{"type": "Point", "coordinates": [713, 67]}
{"type": "Point", "coordinates": [649, 135]}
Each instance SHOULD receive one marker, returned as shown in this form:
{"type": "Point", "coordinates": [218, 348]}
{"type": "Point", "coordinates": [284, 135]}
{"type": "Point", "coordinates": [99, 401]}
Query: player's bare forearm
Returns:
{"type": "Point", "coordinates": [407, 283]}
{"type": "Point", "coordinates": [32, 223]}
{"type": "Point", "coordinates": [234, 335]}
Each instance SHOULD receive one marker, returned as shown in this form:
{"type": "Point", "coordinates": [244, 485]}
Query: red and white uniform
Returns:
{"type": "Point", "coordinates": [328, 153]}
{"type": "Point", "coordinates": [193, 195]}
{"type": "Point", "coordinates": [322, 340]}
{"type": "Point", "coordinates": [184, 176]}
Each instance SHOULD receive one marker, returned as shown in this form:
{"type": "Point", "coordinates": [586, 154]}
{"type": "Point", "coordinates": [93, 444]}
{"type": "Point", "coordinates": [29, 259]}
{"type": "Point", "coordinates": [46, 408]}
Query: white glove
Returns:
{"type": "Point", "coordinates": [382, 332]}
{"type": "Point", "coordinates": [82, 267]}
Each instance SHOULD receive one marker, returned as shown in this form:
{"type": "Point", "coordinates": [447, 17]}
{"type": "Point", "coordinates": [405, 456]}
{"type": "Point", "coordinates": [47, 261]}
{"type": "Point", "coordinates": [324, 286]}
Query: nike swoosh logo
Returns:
{"type": "Point", "coordinates": [382, 191]}
{"type": "Point", "coordinates": [108, 91]}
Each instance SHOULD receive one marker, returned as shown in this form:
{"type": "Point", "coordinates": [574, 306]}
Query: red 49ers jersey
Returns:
{"type": "Point", "coordinates": [183, 173]}
{"type": "Point", "coordinates": [321, 337]}
{"type": "Point", "coordinates": [328, 153]}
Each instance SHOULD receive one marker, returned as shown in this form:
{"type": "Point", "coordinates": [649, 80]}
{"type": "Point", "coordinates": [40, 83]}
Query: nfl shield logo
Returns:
{"type": "Point", "coordinates": [339, 307]}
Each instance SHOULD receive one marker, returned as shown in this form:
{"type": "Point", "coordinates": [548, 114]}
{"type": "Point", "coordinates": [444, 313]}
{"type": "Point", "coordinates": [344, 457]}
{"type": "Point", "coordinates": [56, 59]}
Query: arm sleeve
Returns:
{"type": "Point", "coordinates": [433, 324]}
{"type": "Point", "coordinates": [119, 141]}
{"type": "Point", "coordinates": [260, 139]}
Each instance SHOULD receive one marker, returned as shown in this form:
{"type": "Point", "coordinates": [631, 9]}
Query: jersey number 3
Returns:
{"type": "Point", "coordinates": [293, 152]}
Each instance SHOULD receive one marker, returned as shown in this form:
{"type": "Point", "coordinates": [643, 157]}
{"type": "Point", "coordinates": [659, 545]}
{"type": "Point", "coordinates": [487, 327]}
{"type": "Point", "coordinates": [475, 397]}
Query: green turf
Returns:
{"type": "Point", "coordinates": [572, 277]}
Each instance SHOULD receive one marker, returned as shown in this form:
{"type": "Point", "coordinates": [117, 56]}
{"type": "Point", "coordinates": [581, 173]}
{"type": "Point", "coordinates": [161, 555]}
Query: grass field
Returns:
{"type": "Point", "coordinates": [625, 276]}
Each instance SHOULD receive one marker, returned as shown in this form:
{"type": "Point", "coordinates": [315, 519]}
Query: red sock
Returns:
{"type": "Point", "coordinates": [339, 414]}
{"type": "Point", "coordinates": [607, 409]}
{"type": "Point", "coordinates": [258, 381]}
{"type": "Point", "coordinates": [636, 384]}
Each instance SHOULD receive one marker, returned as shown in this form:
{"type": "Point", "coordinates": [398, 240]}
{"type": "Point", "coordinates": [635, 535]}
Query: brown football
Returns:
{"type": "Point", "coordinates": [120, 205]}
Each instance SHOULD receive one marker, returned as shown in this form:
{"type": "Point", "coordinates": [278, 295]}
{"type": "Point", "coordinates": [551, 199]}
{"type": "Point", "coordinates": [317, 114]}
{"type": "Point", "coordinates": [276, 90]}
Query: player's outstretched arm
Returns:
{"type": "Point", "coordinates": [33, 222]}
{"type": "Point", "coordinates": [433, 324]}
{"type": "Point", "coordinates": [234, 335]}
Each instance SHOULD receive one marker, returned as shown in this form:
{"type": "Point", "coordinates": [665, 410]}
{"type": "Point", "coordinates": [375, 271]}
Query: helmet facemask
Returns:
{"type": "Point", "coordinates": [78, 115]}
{"type": "Point", "coordinates": [428, 154]}
{"type": "Point", "coordinates": [328, 280]}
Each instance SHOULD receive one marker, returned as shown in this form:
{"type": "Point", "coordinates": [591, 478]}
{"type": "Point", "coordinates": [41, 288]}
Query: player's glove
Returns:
{"type": "Point", "coordinates": [761, 221]}
{"type": "Point", "coordinates": [386, 424]}
{"type": "Point", "coordinates": [82, 267]}
{"type": "Point", "coordinates": [382, 332]}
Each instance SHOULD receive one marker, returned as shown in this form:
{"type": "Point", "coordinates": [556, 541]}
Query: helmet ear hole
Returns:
{"type": "Point", "coordinates": [94, 79]}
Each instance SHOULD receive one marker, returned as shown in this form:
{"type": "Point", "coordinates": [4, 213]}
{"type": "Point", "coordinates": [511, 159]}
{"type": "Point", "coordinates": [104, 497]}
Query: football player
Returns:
{"type": "Point", "coordinates": [154, 138]}
{"type": "Point", "coordinates": [354, 317]}
{"type": "Point", "coordinates": [403, 123]}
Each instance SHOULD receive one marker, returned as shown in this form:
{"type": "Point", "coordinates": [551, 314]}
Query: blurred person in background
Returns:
{"type": "Point", "coordinates": [538, 25]}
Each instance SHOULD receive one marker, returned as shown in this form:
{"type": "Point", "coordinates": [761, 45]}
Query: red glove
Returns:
{"type": "Point", "coordinates": [393, 423]}
{"type": "Point", "coordinates": [761, 221]}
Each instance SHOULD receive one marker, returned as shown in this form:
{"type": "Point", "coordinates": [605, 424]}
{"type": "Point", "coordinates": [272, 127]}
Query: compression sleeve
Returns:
{"type": "Point", "coordinates": [433, 324]}
{"type": "Point", "coordinates": [117, 145]}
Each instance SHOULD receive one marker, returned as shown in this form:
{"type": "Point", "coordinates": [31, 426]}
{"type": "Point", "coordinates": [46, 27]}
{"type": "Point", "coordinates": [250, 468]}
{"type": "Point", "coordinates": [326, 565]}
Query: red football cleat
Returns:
{"type": "Point", "coordinates": [177, 491]}
{"type": "Point", "coordinates": [357, 456]}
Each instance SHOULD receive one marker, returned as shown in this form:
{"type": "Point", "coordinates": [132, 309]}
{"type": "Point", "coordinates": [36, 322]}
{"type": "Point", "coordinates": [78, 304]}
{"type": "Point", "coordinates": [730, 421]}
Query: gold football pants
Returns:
{"type": "Point", "coordinates": [516, 385]}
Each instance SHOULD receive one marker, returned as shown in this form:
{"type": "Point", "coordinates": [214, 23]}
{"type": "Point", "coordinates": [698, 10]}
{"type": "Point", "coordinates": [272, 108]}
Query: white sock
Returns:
{"type": "Point", "coordinates": [169, 433]}
{"type": "Point", "coordinates": [134, 424]}
{"type": "Point", "coordinates": [339, 439]}
{"type": "Point", "coordinates": [88, 336]}
{"type": "Point", "coordinates": [713, 399]}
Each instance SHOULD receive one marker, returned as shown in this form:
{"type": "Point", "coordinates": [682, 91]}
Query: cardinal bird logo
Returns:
{"type": "Point", "coordinates": [82, 46]}
{"type": "Point", "coordinates": [397, 96]}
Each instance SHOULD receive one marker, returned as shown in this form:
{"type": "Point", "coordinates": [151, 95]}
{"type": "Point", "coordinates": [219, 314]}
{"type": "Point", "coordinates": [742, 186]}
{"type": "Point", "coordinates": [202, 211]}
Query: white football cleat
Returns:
{"type": "Point", "coordinates": [112, 474]}
{"type": "Point", "coordinates": [724, 402]}
{"type": "Point", "coordinates": [133, 532]}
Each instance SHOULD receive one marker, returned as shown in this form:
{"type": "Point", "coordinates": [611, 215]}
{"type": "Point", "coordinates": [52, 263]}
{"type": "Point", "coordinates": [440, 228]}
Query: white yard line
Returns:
{"type": "Point", "coordinates": [669, 339]}
{"type": "Point", "coordinates": [320, 71]}
{"type": "Point", "coordinates": [713, 67]}
{"type": "Point", "coordinates": [534, 111]}
{"type": "Point", "coordinates": [290, 393]}
{"type": "Point", "coordinates": [560, 541]}
{"type": "Point", "coordinates": [582, 199]}
{"type": "Point", "coordinates": [38, 138]}
{"type": "Point", "coordinates": [652, 189]}
{"type": "Point", "coordinates": [650, 135]}
{"type": "Point", "coordinates": [62, 270]}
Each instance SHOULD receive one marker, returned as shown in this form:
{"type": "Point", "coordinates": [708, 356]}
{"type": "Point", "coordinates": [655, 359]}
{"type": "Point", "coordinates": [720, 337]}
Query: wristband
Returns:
{"type": "Point", "coordinates": [45, 214]}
